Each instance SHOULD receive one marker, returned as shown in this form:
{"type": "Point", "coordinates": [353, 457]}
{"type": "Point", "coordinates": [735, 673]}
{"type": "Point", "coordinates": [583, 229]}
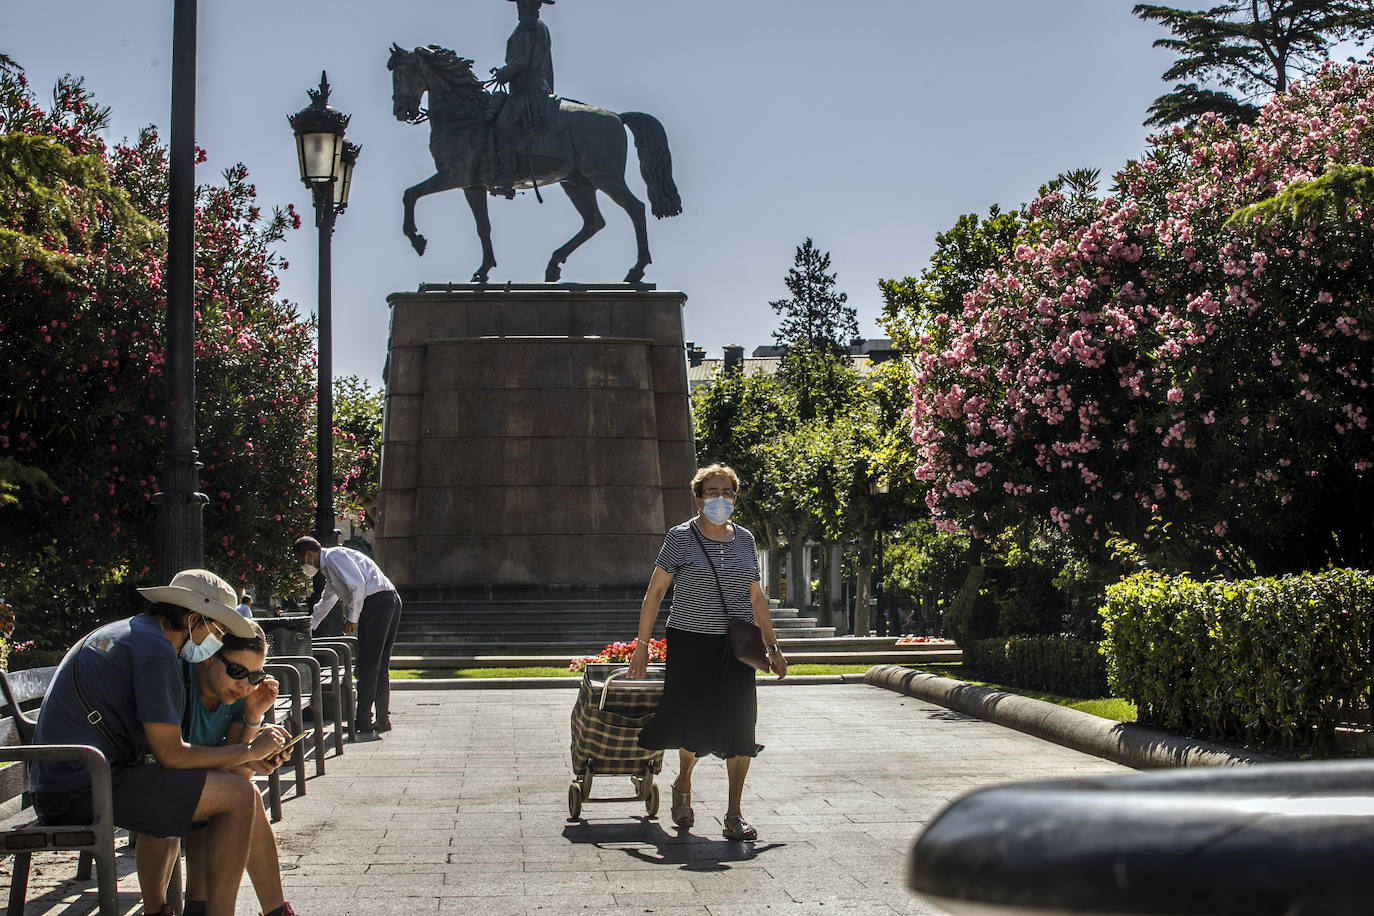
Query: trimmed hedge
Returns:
{"type": "Point", "coordinates": [1068, 667]}
{"type": "Point", "coordinates": [1266, 660]}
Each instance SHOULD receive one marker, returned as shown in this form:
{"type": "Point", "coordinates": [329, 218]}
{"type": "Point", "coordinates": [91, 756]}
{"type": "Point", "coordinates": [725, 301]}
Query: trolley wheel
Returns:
{"type": "Point", "coordinates": [574, 801]}
{"type": "Point", "coordinates": [651, 803]}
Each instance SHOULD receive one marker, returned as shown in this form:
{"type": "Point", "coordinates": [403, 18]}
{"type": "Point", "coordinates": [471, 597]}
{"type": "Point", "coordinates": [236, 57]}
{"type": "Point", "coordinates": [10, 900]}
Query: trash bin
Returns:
{"type": "Point", "coordinates": [286, 635]}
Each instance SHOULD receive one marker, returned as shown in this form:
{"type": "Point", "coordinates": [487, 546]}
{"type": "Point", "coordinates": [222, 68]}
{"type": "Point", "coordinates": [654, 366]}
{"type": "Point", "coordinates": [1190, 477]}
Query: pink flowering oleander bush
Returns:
{"type": "Point", "coordinates": [621, 652]}
{"type": "Point", "coordinates": [1137, 368]}
{"type": "Point", "coordinates": [83, 369]}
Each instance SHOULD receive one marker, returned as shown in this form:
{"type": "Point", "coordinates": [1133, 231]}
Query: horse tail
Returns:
{"type": "Point", "coordinates": [655, 162]}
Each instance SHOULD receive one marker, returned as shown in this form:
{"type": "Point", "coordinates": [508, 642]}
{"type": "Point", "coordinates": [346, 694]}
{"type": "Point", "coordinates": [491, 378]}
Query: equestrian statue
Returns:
{"type": "Point", "coordinates": [498, 141]}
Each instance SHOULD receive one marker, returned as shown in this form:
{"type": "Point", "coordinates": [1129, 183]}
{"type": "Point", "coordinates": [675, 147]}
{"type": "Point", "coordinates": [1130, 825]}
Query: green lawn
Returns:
{"type": "Point", "coordinates": [1112, 708]}
{"type": "Point", "coordinates": [407, 674]}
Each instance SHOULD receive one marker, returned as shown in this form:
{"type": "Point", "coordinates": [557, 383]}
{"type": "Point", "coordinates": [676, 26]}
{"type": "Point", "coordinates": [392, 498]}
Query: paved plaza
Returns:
{"type": "Point", "coordinates": [463, 809]}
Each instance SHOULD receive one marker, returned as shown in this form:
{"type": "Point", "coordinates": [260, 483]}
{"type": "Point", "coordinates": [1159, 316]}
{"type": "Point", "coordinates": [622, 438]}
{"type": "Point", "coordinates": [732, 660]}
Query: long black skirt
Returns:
{"type": "Point", "coordinates": [710, 701]}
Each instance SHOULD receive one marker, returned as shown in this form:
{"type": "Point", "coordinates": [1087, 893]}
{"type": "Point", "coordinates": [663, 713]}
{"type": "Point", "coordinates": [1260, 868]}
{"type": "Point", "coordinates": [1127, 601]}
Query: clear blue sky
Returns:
{"type": "Point", "coordinates": [868, 125]}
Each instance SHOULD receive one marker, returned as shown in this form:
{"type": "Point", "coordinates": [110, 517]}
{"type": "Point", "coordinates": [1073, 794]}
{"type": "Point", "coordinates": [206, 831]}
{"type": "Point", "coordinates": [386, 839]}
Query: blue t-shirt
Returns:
{"type": "Point", "coordinates": [131, 675]}
{"type": "Point", "coordinates": [203, 726]}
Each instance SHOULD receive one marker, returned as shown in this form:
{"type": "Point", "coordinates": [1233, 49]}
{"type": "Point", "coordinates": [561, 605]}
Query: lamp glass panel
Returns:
{"type": "Point", "coordinates": [336, 166]}
{"type": "Point", "coordinates": [342, 186]}
{"type": "Point", "coordinates": [300, 155]}
{"type": "Point", "coordinates": [319, 154]}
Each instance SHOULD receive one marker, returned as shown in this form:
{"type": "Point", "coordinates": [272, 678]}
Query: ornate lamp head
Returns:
{"type": "Point", "coordinates": [319, 136]}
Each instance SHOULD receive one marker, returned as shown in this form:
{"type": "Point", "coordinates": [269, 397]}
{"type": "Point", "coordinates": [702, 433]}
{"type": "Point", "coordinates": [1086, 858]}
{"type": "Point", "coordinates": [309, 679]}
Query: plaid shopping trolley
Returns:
{"type": "Point", "coordinates": [610, 711]}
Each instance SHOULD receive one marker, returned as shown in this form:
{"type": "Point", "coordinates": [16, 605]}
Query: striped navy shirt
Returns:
{"type": "Point", "coordinates": [696, 600]}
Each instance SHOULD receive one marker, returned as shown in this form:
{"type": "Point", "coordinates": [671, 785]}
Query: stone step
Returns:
{"type": "Point", "coordinates": [515, 646]}
{"type": "Point", "coordinates": [447, 611]}
{"type": "Point", "coordinates": [487, 629]}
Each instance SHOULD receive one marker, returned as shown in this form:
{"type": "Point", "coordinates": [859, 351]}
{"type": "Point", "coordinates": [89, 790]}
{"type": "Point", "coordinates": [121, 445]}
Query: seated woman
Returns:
{"type": "Point", "coordinates": [226, 697]}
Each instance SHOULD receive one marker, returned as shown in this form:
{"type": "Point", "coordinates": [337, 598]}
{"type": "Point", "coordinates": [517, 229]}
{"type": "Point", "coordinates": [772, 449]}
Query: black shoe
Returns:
{"type": "Point", "coordinates": [363, 725]}
{"type": "Point", "coordinates": [384, 725]}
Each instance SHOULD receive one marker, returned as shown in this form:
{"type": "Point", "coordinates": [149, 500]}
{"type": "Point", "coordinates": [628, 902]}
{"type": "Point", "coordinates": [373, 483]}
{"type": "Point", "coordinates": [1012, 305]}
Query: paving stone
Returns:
{"type": "Point", "coordinates": [463, 808]}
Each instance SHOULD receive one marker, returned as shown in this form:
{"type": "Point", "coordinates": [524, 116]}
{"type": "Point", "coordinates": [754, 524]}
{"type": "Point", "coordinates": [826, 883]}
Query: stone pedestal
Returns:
{"type": "Point", "coordinates": [535, 436]}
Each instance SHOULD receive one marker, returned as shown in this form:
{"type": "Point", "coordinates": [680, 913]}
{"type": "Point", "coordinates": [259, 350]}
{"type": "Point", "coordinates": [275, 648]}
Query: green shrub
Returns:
{"type": "Point", "coordinates": [1069, 667]}
{"type": "Point", "coordinates": [34, 658]}
{"type": "Point", "coordinates": [973, 612]}
{"type": "Point", "coordinates": [1264, 660]}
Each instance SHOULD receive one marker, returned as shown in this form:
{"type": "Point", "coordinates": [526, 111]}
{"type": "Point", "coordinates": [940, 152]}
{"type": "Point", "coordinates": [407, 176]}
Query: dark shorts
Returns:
{"type": "Point", "coordinates": [147, 799]}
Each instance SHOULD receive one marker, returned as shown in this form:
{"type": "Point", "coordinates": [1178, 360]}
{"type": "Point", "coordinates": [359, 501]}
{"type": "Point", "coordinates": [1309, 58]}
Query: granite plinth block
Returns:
{"type": "Point", "coordinates": [536, 435]}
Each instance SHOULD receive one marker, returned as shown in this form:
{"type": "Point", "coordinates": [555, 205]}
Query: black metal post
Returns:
{"type": "Point", "coordinates": [180, 533]}
{"type": "Point", "coordinates": [324, 369]}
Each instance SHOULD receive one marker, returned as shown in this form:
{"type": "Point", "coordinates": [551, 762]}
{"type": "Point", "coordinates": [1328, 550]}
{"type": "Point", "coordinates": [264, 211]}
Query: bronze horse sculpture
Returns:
{"type": "Point", "coordinates": [590, 155]}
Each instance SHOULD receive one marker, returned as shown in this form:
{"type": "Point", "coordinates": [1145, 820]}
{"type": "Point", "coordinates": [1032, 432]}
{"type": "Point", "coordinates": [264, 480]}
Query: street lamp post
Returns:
{"type": "Point", "coordinates": [326, 163]}
{"type": "Point", "coordinates": [180, 530]}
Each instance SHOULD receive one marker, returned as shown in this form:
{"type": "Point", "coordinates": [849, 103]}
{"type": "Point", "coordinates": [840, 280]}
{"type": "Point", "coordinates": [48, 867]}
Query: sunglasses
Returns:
{"type": "Point", "coordinates": [240, 673]}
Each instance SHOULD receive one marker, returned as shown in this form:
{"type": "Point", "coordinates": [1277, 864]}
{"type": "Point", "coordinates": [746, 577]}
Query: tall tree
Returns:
{"type": "Point", "coordinates": [82, 247]}
{"type": "Point", "coordinates": [1251, 49]}
{"type": "Point", "coordinates": [815, 331]}
{"type": "Point", "coordinates": [732, 418]}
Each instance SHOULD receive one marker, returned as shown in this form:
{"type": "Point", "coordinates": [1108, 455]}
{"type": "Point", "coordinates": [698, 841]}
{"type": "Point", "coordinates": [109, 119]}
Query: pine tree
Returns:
{"type": "Point", "coordinates": [1251, 49]}
{"type": "Point", "coordinates": [815, 332]}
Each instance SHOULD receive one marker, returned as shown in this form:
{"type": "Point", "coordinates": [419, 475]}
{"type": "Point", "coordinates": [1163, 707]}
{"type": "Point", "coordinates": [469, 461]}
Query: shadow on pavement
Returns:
{"type": "Point", "coordinates": [683, 849]}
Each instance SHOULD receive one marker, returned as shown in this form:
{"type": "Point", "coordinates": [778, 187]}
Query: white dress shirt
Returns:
{"type": "Point", "coordinates": [350, 576]}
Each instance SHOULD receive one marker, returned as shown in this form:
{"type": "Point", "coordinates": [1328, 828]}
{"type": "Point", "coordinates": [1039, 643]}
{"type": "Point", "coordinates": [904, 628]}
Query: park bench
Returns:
{"type": "Point", "coordinates": [345, 649]}
{"type": "Point", "coordinates": [20, 833]}
{"type": "Point", "coordinates": [326, 674]}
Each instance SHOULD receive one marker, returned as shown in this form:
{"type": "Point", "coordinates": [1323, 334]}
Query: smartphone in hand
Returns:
{"type": "Point", "coordinates": [281, 751]}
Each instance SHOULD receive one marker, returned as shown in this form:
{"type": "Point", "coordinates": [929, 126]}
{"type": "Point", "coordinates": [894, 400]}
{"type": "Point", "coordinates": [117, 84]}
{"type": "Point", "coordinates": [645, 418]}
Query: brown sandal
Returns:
{"type": "Point", "coordinates": [737, 829]}
{"type": "Point", "coordinates": [682, 812]}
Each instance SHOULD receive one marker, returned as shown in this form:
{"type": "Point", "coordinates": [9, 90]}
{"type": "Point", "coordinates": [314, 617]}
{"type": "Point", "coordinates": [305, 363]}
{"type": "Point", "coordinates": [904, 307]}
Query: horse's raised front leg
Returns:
{"type": "Point", "coordinates": [431, 185]}
{"type": "Point", "coordinates": [618, 191]}
{"type": "Point", "coordinates": [583, 196]}
{"type": "Point", "coordinates": [477, 200]}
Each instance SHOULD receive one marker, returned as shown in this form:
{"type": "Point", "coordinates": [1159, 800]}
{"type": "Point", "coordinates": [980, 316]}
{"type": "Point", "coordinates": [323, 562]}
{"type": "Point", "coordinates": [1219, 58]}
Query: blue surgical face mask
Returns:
{"type": "Point", "coordinates": [717, 509]}
{"type": "Point", "coordinates": [198, 653]}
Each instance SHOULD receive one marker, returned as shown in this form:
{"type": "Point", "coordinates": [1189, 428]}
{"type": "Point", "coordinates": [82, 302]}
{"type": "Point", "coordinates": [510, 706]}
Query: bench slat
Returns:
{"type": "Point", "coordinates": [13, 780]}
{"type": "Point", "coordinates": [30, 685]}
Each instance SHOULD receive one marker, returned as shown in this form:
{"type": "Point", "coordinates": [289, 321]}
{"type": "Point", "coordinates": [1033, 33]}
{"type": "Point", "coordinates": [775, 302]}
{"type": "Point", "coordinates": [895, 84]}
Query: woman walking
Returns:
{"type": "Point", "coordinates": [709, 703]}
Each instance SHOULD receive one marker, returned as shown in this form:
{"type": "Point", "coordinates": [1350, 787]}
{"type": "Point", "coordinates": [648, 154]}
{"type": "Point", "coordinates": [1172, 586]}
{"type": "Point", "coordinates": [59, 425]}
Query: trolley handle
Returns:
{"type": "Point", "coordinates": [619, 672]}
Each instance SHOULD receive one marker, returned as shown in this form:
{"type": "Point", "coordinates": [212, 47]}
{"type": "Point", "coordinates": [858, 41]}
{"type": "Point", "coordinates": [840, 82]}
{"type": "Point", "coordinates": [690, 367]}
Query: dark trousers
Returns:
{"type": "Point", "coordinates": [377, 625]}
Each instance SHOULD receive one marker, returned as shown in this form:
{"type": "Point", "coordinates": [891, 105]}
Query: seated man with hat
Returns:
{"type": "Point", "coordinates": [120, 690]}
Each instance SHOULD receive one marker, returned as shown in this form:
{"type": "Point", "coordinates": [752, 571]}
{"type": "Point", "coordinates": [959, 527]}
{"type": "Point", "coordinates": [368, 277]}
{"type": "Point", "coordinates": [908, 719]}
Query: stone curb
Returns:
{"type": "Point", "coordinates": [572, 683]}
{"type": "Point", "coordinates": [1120, 742]}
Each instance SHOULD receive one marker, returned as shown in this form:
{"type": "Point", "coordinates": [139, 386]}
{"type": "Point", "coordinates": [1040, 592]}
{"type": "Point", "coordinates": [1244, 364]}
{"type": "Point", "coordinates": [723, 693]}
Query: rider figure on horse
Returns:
{"type": "Point", "coordinates": [529, 105]}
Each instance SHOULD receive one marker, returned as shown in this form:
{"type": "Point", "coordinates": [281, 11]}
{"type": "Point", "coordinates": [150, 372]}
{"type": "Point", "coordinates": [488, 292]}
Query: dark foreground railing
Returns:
{"type": "Point", "coordinates": [1280, 839]}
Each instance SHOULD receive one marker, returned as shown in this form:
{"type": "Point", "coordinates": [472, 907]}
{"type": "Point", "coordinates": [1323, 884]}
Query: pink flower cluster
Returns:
{"type": "Point", "coordinates": [621, 652]}
{"type": "Point", "coordinates": [1147, 360]}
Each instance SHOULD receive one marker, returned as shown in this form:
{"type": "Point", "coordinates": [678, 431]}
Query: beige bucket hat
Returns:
{"type": "Point", "coordinates": [207, 594]}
